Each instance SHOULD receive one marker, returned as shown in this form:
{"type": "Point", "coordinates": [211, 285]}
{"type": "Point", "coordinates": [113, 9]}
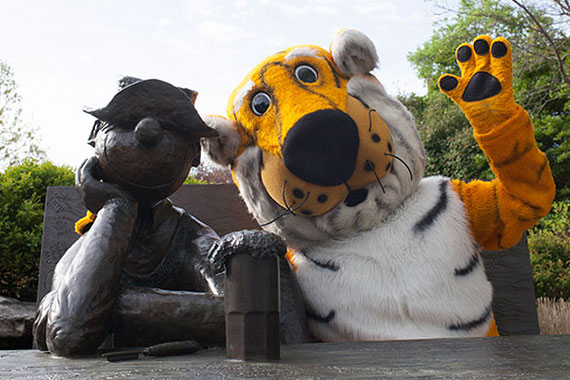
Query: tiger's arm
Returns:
{"type": "Point", "coordinates": [499, 211]}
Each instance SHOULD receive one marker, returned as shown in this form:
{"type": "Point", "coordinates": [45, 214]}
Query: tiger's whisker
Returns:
{"type": "Point", "coordinates": [276, 218]}
{"type": "Point", "coordinates": [370, 119]}
{"type": "Point", "coordinates": [302, 203]}
{"type": "Point", "coordinates": [371, 167]}
{"type": "Point", "coordinates": [403, 162]}
{"type": "Point", "coordinates": [288, 210]}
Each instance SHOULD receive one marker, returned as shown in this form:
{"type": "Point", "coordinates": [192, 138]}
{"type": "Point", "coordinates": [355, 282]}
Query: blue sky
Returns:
{"type": "Point", "coordinates": [69, 54]}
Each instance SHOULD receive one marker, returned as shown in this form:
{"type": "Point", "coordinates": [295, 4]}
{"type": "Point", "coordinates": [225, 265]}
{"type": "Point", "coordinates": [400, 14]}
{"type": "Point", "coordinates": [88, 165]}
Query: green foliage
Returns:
{"type": "Point", "coordinates": [448, 139]}
{"type": "Point", "coordinates": [549, 244]}
{"type": "Point", "coordinates": [472, 19]}
{"type": "Point", "coordinates": [538, 83]}
{"type": "Point", "coordinates": [18, 140]}
{"type": "Point", "coordinates": [553, 137]}
{"type": "Point", "coordinates": [541, 86]}
{"type": "Point", "coordinates": [22, 198]}
{"type": "Point", "coordinates": [194, 181]}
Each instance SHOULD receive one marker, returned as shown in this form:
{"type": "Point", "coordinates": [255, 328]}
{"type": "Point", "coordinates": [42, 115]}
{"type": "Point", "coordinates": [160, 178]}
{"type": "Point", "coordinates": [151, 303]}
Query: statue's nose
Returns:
{"type": "Point", "coordinates": [321, 147]}
{"type": "Point", "coordinates": [148, 132]}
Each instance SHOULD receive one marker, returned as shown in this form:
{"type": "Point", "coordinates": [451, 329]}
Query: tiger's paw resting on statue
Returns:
{"type": "Point", "coordinates": [330, 162]}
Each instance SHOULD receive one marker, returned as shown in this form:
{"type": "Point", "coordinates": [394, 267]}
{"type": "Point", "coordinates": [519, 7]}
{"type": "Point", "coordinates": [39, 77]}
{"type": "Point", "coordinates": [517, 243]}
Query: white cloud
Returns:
{"type": "Point", "coordinates": [173, 41]}
{"type": "Point", "coordinates": [164, 21]}
{"type": "Point", "coordinates": [383, 7]}
{"type": "Point", "coordinates": [240, 4]}
{"type": "Point", "coordinates": [389, 11]}
{"type": "Point", "coordinates": [218, 32]}
{"type": "Point", "coordinates": [307, 8]}
{"type": "Point", "coordinates": [417, 16]}
{"type": "Point", "coordinates": [202, 8]}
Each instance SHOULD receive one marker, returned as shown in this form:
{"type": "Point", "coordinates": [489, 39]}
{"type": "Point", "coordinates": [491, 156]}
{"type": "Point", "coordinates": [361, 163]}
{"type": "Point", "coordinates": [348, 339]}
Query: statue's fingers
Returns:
{"type": "Point", "coordinates": [84, 170]}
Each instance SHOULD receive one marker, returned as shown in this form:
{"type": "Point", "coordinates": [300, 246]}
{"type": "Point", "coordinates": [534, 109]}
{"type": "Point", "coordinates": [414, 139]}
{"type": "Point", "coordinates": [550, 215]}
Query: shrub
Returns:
{"type": "Point", "coordinates": [553, 316]}
{"type": "Point", "coordinates": [22, 198]}
{"type": "Point", "coordinates": [549, 243]}
{"type": "Point", "coordinates": [194, 181]}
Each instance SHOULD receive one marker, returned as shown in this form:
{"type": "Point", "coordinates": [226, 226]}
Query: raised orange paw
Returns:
{"type": "Point", "coordinates": [484, 90]}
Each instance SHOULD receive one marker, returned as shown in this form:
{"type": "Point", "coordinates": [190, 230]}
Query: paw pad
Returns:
{"type": "Point", "coordinates": [448, 83]}
{"type": "Point", "coordinates": [483, 75]}
{"type": "Point", "coordinates": [481, 47]}
{"type": "Point", "coordinates": [481, 86]}
{"type": "Point", "coordinates": [464, 54]}
{"type": "Point", "coordinates": [499, 49]}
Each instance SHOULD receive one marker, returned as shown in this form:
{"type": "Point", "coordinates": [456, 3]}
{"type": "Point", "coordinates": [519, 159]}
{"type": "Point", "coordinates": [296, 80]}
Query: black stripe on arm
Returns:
{"type": "Point", "coordinates": [473, 263]}
{"type": "Point", "coordinates": [319, 318]}
{"type": "Point", "coordinates": [437, 210]}
{"type": "Point", "coordinates": [531, 206]}
{"type": "Point", "coordinates": [516, 154]}
{"type": "Point", "coordinates": [466, 326]}
{"type": "Point", "coordinates": [542, 168]}
{"type": "Point", "coordinates": [323, 264]}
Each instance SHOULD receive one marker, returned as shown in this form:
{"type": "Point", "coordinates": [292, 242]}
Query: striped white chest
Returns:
{"type": "Point", "coordinates": [418, 275]}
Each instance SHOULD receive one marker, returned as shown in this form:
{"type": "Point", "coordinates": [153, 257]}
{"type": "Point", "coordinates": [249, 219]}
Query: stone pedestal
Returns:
{"type": "Point", "coordinates": [252, 308]}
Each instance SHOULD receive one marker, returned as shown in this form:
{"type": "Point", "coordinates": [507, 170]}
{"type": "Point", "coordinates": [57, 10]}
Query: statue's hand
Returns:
{"type": "Point", "coordinates": [258, 244]}
{"type": "Point", "coordinates": [93, 192]}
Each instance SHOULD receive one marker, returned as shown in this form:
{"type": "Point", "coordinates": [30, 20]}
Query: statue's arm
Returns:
{"type": "Point", "coordinates": [145, 316]}
{"type": "Point", "coordinates": [75, 316]}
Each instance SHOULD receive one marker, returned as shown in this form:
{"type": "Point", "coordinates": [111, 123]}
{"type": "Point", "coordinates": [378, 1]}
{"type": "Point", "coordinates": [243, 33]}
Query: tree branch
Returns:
{"type": "Point", "coordinates": [543, 31]}
{"type": "Point", "coordinates": [563, 6]}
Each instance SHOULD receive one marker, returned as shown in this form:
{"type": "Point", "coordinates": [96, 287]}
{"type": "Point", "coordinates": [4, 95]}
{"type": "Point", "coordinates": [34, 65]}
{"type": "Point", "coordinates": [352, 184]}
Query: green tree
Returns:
{"type": "Point", "coordinates": [18, 140]}
{"type": "Point", "coordinates": [22, 197]}
{"type": "Point", "coordinates": [541, 51]}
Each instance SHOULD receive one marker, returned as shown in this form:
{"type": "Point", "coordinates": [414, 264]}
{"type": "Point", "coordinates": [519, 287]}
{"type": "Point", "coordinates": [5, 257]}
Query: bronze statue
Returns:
{"type": "Point", "coordinates": [146, 270]}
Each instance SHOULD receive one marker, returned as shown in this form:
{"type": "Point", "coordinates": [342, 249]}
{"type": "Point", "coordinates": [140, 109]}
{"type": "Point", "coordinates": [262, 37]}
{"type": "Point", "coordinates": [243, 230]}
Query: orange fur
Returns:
{"type": "Point", "coordinates": [499, 211]}
{"type": "Point", "coordinates": [493, 330]}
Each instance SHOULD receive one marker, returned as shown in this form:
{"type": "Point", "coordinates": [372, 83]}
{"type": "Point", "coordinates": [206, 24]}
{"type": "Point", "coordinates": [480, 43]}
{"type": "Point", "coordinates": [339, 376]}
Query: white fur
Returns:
{"type": "Point", "coordinates": [392, 281]}
{"type": "Point", "coordinates": [395, 283]}
{"type": "Point", "coordinates": [303, 51]}
{"type": "Point", "coordinates": [300, 232]}
{"type": "Point", "coordinates": [353, 52]}
{"type": "Point", "coordinates": [221, 149]}
{"type": "Point", "coordinates": [241, 94]}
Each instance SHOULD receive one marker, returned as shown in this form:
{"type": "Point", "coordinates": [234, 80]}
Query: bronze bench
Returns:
{"type": "Point", "coordinates": [221, 207]}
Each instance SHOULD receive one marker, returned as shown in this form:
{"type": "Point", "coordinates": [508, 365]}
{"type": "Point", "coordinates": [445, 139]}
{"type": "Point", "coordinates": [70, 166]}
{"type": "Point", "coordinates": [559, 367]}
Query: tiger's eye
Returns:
{"type": "Point", "coordinates": [260, 103]}
{"type": "Point", "coordinates": [306, 74]}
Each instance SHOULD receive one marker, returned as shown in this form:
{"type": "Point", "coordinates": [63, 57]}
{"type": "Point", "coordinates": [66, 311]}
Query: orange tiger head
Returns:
{"type": "Point", "coordinates": [312, 118]}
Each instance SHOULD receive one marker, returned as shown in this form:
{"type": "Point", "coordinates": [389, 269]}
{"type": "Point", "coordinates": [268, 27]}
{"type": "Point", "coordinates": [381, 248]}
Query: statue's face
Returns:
{"type": "Point", "coordinates": [150, 162]}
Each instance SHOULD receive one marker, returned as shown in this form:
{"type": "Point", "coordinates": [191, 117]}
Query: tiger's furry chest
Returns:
{"type": "Point", "coordinates": [417, 275]}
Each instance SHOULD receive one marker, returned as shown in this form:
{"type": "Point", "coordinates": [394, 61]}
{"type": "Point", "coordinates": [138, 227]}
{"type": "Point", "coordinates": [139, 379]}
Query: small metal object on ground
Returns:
{"type": "Point", "coordinates": [251, 295]}
{"type": "Point", "coordinates": [184, 347]}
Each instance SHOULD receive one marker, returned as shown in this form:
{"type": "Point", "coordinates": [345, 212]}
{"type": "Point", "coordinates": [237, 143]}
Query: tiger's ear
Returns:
{"type": "Point", "coordinates": [223, 148]}
{"type": "Point", "coordinates": [353, 52]}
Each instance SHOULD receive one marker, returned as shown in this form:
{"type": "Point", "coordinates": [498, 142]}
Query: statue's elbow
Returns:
{"type": "Point", "coordinates": [68, 341]}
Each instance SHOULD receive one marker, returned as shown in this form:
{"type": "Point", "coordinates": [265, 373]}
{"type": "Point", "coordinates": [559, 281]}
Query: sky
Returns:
{"type": "Point", "coordinates": [69, 54]}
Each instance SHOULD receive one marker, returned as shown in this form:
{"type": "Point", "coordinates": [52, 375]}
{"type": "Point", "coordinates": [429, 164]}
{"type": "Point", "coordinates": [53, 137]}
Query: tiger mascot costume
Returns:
{"type": "Point", "coordinates": [327, 160]}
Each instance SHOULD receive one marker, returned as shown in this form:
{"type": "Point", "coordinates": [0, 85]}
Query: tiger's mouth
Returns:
{"type": "Point", "coordinates": [373, 160]}
{"type": "Point", "coordinates": [356, 197]}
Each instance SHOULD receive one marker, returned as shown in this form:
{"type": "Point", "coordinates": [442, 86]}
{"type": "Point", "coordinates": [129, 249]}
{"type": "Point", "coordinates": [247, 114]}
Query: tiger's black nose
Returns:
{"type": "Point", "coordinates": [321, 147]}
